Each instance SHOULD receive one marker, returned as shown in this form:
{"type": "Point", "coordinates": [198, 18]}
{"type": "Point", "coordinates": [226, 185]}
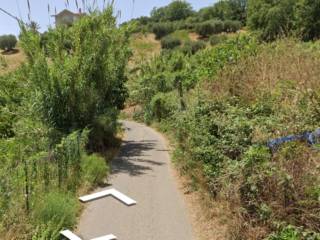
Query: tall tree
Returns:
{"type": "Point", "coordinates": [177, 10]}
{"type": "Point", "coordinates": [225, 10]}
{"type": "Point", "coordinates": [272, 18]}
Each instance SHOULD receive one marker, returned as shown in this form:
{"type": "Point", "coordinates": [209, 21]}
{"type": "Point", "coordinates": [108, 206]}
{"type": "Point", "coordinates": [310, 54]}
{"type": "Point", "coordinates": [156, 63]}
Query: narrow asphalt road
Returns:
{"type": "Point", "coordinates": [142, 172]}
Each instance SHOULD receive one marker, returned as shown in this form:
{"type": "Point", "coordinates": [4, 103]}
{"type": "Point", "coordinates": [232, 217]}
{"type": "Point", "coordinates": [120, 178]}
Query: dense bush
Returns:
{"type": "Point", "coordinates": [217, 39]}
{"type": "Point", "coordinates": [47, 231]}
{"type": "Point", "coordinates": [191, 47]}
{"type": "Point", "coordinates": [163, 105]}
{"type": "Point", "coordinates": [8, 42]}
{"type": "Point", "coordinates": [272, 19]}
{"type": "Point", "coordinates": [208, 28]}
{"type": "Point", "coordinates": [231, 26]}
{"type": "Point", "coordinates": [308, 19]}
{"type": "Point", "coordinates": [170, 42]}
{"type": "Point", "coordinates": [211, 27]}
{"type": "Point", "coordinates": [72, 93]}
{"type": "Point", "coordinates": [282, 18]}
{"type": "Point", "coordinates": [162, 29]}
{"type": "Point", "coordinates": [59, 207]}
{"type": "Point", "coordinates": [95, 169]}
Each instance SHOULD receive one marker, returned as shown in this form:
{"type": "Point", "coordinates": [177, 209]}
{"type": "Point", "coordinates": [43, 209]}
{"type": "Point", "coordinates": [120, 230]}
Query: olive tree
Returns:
{"type": "Point", "coordinates": [8, 42]}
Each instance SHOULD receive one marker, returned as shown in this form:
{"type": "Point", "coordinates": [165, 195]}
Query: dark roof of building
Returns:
{"type": "Point", "coordinates": [66, 11]}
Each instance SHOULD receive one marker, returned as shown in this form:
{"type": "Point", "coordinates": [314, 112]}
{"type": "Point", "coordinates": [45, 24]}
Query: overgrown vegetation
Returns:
{"type": "Point", "coordinates": [222, 107]}
{"type": "Point", "coordinates": [67, 97]}
{"type": "Point", "coordinates": [223, 103]}
{"type": "Point", "coordinates": [222, 98]}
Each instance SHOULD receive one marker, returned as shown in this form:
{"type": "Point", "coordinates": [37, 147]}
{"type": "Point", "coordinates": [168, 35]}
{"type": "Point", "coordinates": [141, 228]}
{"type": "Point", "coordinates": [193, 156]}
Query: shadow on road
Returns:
{"type": "Point", "coordinates": [132, 158]}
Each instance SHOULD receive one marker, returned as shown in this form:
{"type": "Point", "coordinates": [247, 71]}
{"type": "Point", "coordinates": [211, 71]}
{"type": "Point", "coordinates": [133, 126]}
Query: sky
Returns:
{"type": "Point", "coordinates": [39, 10]}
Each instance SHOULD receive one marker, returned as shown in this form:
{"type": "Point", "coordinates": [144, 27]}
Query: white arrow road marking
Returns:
{"type": "Point", "coordinates": [108, 237]}
{"type": "Point", "coordinates": [68, 234]}
{"type": "Point", "coordinates": [118, 195]}
{"type": "Point", "coordinates": [111, 192]}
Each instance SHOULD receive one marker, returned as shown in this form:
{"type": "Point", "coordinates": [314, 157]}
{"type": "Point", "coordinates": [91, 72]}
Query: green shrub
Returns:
{"type": "Point", "coordinates": [8, 42]}
{"type": "Point", "coordinates": [49, 231]}
{"type": "Point", "coordinates": [293, 233]}
{"type": "Point", "coordinates": [162, 29]}
{"type": "Point", "coordinates": [163, 105]}
{"type": "Point", "coordinates": [170, 42]}
{"type": "Point", "coordinates": [271, 19]}
{"type": "Point", "coordinates": [183, 35]}
{"type": "Point", "coordinates": [208, 28]}
{"type": "Point", "coordinates": [232, 26]}
{"type": "Point", "coordinates": [224, 10]}
{"type": "Point", "coordinates": [74, 90]}
{"type": "Point", "coordinates": [57, 208]}
{"type": "Point", "coordinates": [103, 130]}
{"type": "Point", "coordinates": [217, 39]}
{"type": "Point", "coordinates": [308, 19]}
{"type": "Point", "coordinates": [94, 168]}
{"type": "Point", "coordinates": [191, 47]}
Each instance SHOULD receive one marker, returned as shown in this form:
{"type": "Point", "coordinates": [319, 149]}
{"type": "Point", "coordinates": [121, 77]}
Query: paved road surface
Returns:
{"type": "Point", "coordinates": [141, 171]}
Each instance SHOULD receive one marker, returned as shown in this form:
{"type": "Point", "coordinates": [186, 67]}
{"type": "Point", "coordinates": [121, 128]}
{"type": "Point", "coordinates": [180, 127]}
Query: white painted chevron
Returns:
{"type": "Point", "coordinates": [71, 236]}
{"type": "Point", "coordinates": [68, 234]}
{"type": "Point", "coordinates": [110, 192]}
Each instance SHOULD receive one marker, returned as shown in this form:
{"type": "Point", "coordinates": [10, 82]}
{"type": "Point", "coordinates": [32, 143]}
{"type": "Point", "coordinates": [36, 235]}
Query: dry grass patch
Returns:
{"type": "Point", "coordinates": [11, 61]}
{"type": "Point", "coordinates": [145, 46]}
